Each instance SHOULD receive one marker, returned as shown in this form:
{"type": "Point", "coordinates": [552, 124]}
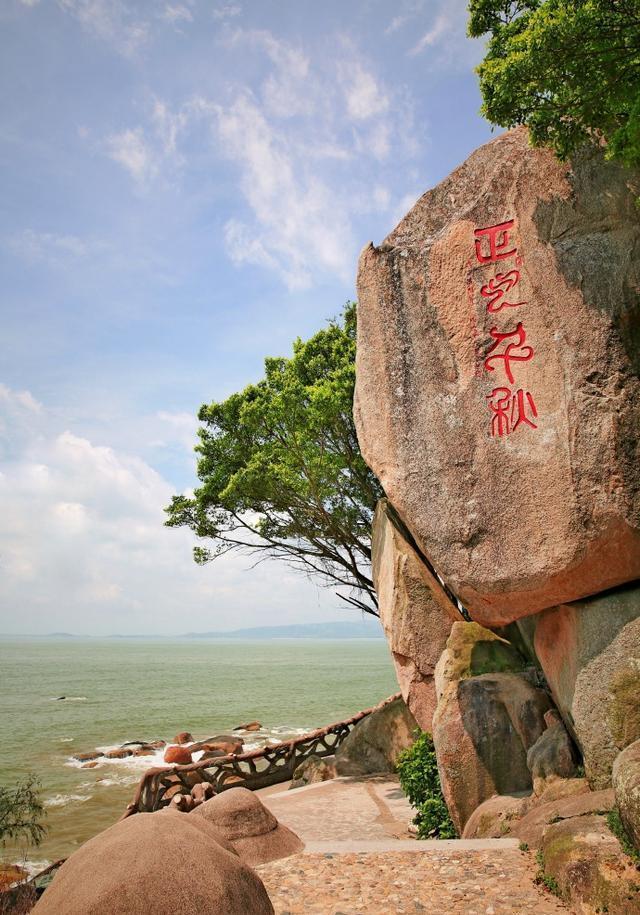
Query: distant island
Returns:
{"type": "Point", "coordinates": [363, 629]}
{"type": "Point", "coordinates": [367, 628]}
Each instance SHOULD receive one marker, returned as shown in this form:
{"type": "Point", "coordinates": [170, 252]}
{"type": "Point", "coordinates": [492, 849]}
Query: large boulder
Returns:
{"type": "Point", "coordinates": [155, 862]}
{"type": "Point", "coordinates": [482, 730]}
{"type": "Point", "coordinates": [376, 742]}
{"type": "Point", "coordinates": [415, 611]}
{"type": "Point", "coordinates": [590, 653]}
{"type": "Point", "coordinates": [589, 867]}
{"type": "Point", "coordinates": [626, 784]}
{"type": "Point", "coordinates": [532, 827]}
{"type": "Point", "coordinates": [497, 393]}
{"type": "Point", "coordinates": [254, 833]}
{"type": "Point", "coordinates": [312, 770]}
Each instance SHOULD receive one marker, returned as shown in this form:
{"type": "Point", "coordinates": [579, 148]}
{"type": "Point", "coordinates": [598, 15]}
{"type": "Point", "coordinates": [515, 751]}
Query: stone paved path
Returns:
{"type": "Point", "coordinates": [391, 883]}
{"type": "Point", "coordinates": [360, 859]}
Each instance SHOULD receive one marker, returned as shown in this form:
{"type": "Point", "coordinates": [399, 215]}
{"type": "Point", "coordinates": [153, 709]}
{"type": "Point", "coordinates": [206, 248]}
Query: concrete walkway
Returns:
{"type": "Point", "coordinates": [360, 859]}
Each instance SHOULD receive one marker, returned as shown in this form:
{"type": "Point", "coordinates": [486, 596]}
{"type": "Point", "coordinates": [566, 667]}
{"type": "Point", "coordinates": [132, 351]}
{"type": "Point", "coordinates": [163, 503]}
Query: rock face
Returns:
{"type": "Point", "coordinates": [155, 862]}
{"type": "Point", "coordinates": [254, 833]}
{"type": "Point", "coordinates": [590, 654]}
{"type": "Point", "coordinates": [415, 612]}
{"type": "Point", "coordinates": [375, 742]}
{"type": "Point", "coordinates": [485, 721]}
{"type": "Point", "coordinates": [497, 394]}
{"type": "Point", "coordinates": [626, 784]}
{"type": "Point", "coordinates": [591, 870]}
{"type": "Point", "coordinates": [552, 756]}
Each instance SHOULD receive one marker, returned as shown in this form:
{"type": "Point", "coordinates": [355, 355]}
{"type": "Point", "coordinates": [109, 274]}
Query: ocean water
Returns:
{"type": "Point", "coordinates": [121, 690]}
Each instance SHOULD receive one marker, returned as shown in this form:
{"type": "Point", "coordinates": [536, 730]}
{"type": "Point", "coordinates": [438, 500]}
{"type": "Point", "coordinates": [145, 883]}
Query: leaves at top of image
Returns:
{"type": "Point", "coordinates": [569, 71]}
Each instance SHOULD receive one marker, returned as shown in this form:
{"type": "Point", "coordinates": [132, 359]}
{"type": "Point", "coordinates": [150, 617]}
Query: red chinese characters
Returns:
{"type": "Point", "coordinates": [492, 243]}
{"type": "Point", "coordinates": [510, 409]}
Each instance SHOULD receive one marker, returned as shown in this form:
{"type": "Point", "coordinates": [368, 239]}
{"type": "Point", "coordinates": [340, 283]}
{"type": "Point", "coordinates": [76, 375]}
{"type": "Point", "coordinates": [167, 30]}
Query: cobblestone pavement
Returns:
{"type": "Point", "coordinates": [390, 883]}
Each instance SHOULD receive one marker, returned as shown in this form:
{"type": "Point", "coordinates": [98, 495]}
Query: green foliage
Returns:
{"type": "Point", "coordinates": [615, 824]}
{"type": "Point", "coordinates": [281, 471]}
{"type": "Point", "coordinates": [20, 813]}
{"type": "Point", "coordinates": [569, 71]}
{"type": "Point", "coordinates": [418, 772]}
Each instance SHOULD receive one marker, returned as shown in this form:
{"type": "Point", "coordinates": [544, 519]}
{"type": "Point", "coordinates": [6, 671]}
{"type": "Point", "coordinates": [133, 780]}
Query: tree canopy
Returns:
{"type": "Point", "coordinates": [570, 71]}
{"type": "Point", "coordinates": [281, 471]}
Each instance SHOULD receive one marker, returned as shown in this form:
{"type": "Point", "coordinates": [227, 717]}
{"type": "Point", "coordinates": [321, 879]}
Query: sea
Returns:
{"type": "Point", "coordinates": [120, 690]}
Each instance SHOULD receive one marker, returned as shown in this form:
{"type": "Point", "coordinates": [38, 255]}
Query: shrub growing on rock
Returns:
{"type": "Point", "coordinates": [418, 772]}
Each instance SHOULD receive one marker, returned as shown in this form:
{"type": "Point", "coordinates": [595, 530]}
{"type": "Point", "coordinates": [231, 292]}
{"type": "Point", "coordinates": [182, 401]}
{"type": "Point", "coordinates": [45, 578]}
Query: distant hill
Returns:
{"type": "Point", "coordinates": [363, 629]}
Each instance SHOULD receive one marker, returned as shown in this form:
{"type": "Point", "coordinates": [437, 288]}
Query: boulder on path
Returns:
{"type": "Point", "coordinates": [591, 870]}
{"type": "Point", "coordinates": [376, 741]}
{"type": "Point", "coordinates": [497, 392]}
{"type": "Point", "coordinates": [415, 612]}
{"type": "Point", "coordinates": [165, 863]}
{"type": "Point", "coordinates": [626, 784]}
{"type": "Point", "coordinates": [178, 756]}
{"type": "Point", "coordinates": [312, 770]}
{"type": "Point", "coordinates": [590, 654]}
{"type": "Point", "coordinates": [251, 829]}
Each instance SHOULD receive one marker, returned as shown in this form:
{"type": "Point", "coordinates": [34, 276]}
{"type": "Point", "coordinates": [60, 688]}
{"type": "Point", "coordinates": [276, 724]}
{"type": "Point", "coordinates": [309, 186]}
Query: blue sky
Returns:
{"type": "Point", "coordinates": [186, 188]}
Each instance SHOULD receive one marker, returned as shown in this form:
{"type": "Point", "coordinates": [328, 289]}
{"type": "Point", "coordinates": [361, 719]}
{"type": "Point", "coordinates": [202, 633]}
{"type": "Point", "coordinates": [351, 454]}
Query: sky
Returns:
{"type": "Point", "coordinates": [186, 187]}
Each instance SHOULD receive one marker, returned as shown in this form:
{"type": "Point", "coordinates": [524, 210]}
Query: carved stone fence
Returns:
{"type": "Point", "coordinates": [255, 769]}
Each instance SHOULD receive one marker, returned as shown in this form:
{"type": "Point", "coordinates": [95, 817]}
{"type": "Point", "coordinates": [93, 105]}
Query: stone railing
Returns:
{"type": "Point", "coordinates": [255, 769]}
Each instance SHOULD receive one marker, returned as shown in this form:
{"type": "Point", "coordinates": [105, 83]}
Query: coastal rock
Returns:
{"type": "Point", "coordinates": [183, 737]}
{"type": "Point", "coordinates": [225, 744]}
{"type": "Point", "coordinates": [375, 742]}
{"type": "Point", "coordinates": [313, 769]}
{"type": "Point", "coordinates": [626, 784]}
{"type": "Point", "coordinates": [121, 753]}
{"type": "Point", "coordinates": [497, 392]}
{"type": "Point", "coordinates": [89, 765]}
{"type": "Point", "coordinates": [179, 756]}
{"type": "Point", "coordinates": [250, 726]}
{"type": "Point", "coordinates": [590, 868]}
{"type": "Point", "coordinates": [165, 863]}
{"type": "Point", "coordinates": [590, 654]}
{"type": "Point", "coordinates": [552, 756]}
{"type": "Point", "coordinates": [87, 757]}
{"type": "Point", "coordinates": [240, 816]}
{"type": "Point", "coordinates": [415, 612]}
{"type": "Point", "coordinates": [482, 730]}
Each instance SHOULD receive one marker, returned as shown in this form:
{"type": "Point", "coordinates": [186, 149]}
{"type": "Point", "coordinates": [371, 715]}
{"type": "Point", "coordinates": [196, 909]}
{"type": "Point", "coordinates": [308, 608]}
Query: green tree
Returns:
{"type": "Point", "coordinates": [21, 812]}
{"type": "Point", "coordinates": [570, 71]}
{"type": "Point", "coordinates": [281, 471]}
{"type": "Point", "coordinates": [417, 770]}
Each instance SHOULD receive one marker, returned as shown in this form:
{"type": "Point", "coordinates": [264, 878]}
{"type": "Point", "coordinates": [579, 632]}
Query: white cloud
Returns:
{"type": "Point", "coordinates": [131, 150]}
{"type": "Point", "coordinates": [83, 546]}
{"type": "Point", "coordinates": [176, 13]}
{"type": "Point", "coordinates": [227, 11]}
{"type": "Point", "coordinates": [363, 94]}
{"type": "Point", "coordinates": [53, 248]}
{"type": "Point", "coordinates": [443, 24]}
{"type": "Point", "coordinates": [29, 2]}
{"type": "Point", "coordinates": [112, 21]}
